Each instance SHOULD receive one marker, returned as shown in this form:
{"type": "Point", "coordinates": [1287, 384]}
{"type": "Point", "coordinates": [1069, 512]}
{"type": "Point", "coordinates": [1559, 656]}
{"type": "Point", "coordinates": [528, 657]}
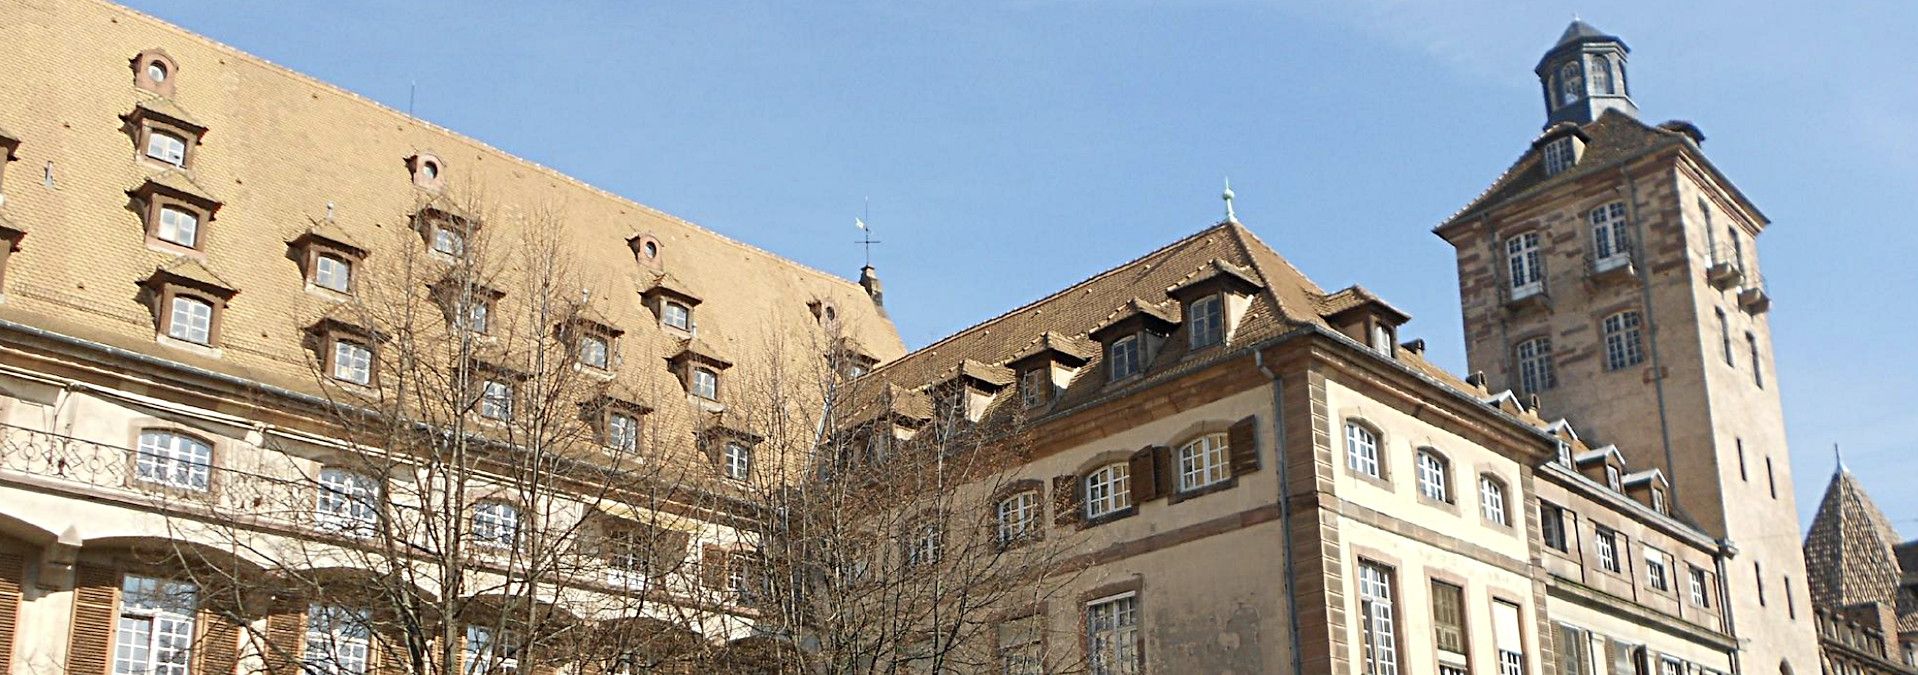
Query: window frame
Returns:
{"type": "Point", "coordinates": [1560, 155]}
{"type": "Point", "coordinates": [1699, 591]}
{"type": "Point", "coordinates": [1034, 386]}
{"type": "Point", "coordinates": [1610, 235]}
{"type": "Point", "coordinates": [1624, 338]}
{"type": "Point", "coordinates": [1535, 367]}
{"type": "Point", "coordinates": [185, 463]}
{"type": "Point", "coordinates": [1112, 633]}
{"type": "Point", "coordinates": [189, 331]}
{"type": "Point", "coordinates": [1552, 520]}
{"type": "Point", "coordinates": [1434, 476]}
{"type": "Point", "coordinates": [623, 439]}
{"type": "Point", "coordinates": [495, 524]}
{"type": "Point", "coordinates": [706, 387]}
{"type": "Point", "coordinates": [487, 651]}
{"type": "Point", "coordinates": [343, 271]}
{"type": "Point", "coordinates": [1206, 327]}
{"type": "Point", "coordinates": [1108, 490]}
{"type": "Point", "coordinates": [497, 397]}
{"type": "Point", "coordinates": [355, 636]}
{"type": "Point", "coordinates": [346, 502]}
{"type": "Point", "coordinates": [1525, 264]}
{"type": "Point", "coordinates": [736, 460]}
{"type": "Point", "coordinates": [1204, 462]}
{"type": "Point", "coordinates": [1378, 618]}
{"type": "Point", "coordinates": [675, 314]}
{"type": "Point", "coordinates": [172, 156]}
{"type": "Point", "coordinates": [604, 352]}
{"type": "Point", "coordinates": [1606, 547]}
{"type": "Point", "coordinates": [1494, 505]}
{"type": "Point", "coordinates": [363, 375]}
{"type": "Point", "coordinates": [1658, 573]}
{"type": "Point", "coordinates": [162, 619]}
{"type": "Point", "coordinates": [1020, 522]}
{"type": "Point", "coordinates": [1128, 351]}
{"type": "Point", "coordinates": [1369, 466]}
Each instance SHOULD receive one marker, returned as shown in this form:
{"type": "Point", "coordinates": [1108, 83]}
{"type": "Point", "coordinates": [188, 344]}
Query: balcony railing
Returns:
{"type": "Point", "coordinates": [165, 482]}
{"type": "Point", "coordinates": [1727, 268]}
{"type": "Point", "coordinates": [1522, 297]}
{"type": "Point", "coordinates": [1755, 297]}
{"type": "Point", "coordinates": [1615, 267]}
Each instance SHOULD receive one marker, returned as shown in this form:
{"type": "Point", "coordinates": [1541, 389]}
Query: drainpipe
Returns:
{"type": "Point", "coordinates": [1651, 328]}
{"type": "Point", "coordinates": [1285, 510]}
{"type": "Point", "coordinates": [1725, 551]}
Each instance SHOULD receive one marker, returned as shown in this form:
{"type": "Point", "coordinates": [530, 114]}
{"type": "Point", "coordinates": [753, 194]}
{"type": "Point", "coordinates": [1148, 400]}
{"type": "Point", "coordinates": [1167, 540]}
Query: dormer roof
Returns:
{"type": "Point", "coordinates": [698, 351]}
{"type": "Point", "coordinates": [666, 285]}
{"type": "Point", "coordinates": [191, 272]}
{"type": "Point", "coordinates": [983, 376]}
{"type": "Point", "coordinates": [1071, 351]}
{"type": "Point", "coordinates": [330, 233]}
{"type": "Point", "coordinates": [179, 185]}
{"type": "Point", "coordinates": [1217, 273]}
{"type": "Point", "coordinates": [1599, 454]}
{"type": "Point", "coordinates": [1136, 312]}
{"type": "Point", "coordinates": [165, 110]}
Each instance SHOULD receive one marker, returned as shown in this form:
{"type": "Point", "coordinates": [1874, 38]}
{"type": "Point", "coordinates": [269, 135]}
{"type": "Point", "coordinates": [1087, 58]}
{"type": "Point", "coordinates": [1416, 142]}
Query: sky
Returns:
{"type": "Point", "coordinates": [1010, 148]}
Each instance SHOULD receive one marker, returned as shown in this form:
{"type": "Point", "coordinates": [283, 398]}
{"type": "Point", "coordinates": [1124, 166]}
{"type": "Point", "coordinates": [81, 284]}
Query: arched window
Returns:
{"type": "Point", "coordinates": [346, 502]}
{"type": "Point", "coordinates": [1202, 462]}
{"type": "Point", "coordinates": [1623, 348]}
{"type": "Point", "coordinates": [1361, 449]}
{"type": "Point", "coordinates": [1108, 490]}
{"type": "Point", "coordinates": [1434, 484]}
{"type": "Point", "coordinates": [174, 460]}
{"type": "Point", "coordinates": [1018, 516]}
{"type": "Point", "coordinates": [1535, 365]}
{"type": "Point", "coordinates": [1491, 497]}
{"type": "Point", "coordinates": [1571, 83]}
{"type": "Point", "coordinates": [1602, 76]}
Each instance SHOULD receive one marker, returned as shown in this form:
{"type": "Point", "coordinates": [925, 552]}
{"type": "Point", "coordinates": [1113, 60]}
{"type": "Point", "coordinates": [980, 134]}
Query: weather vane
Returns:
{"type": "Point", "coordinates": [866, 232]}
{"type": "Point", "coordinates": [1230, 217]}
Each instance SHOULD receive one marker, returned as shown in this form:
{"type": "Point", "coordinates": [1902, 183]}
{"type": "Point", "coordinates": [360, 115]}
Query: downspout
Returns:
{"type": "Point", "coordinates": [1651, 328]}
{"type": "Point", "coordinates": [1725, 551]}
{"type": "Point", "coordinates": [1285, 511]}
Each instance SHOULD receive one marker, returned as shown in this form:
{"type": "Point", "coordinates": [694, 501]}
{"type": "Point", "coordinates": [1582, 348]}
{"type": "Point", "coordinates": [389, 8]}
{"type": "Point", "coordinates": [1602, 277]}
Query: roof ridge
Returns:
{"type": "Point", "coordinates": [1245, 237]}
{"type": "Point", "coordinates": [272, 66]}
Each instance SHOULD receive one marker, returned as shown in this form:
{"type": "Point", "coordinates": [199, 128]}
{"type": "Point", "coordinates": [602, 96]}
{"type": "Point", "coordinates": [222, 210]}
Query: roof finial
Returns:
{"type": "Point", "coordinates": [1839, 457]}
{"type": "Point", "coordinates": [1230, 217]}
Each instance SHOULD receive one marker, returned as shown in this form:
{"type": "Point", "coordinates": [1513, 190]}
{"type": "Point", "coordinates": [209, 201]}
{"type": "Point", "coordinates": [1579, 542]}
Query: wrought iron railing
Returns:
{"type": "Point", "coordinates": [170, 482]}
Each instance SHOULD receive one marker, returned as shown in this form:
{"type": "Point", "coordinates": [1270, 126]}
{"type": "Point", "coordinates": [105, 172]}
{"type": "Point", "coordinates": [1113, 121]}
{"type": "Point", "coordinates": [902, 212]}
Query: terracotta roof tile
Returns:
{"type": "Point", "coordinates": [170, 110]}
{"type": "Point", "coordinates": [1848, 550]}
{"type": "Point", "coordinates": [193, 270]}
{"type": "Point", "coordinates": [177, 182]}
{"type": "Point", "coordinates": [1614, 136]}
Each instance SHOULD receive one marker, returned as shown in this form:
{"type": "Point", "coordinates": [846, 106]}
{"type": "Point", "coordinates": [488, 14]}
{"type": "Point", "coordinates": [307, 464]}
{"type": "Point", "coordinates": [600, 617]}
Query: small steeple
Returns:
{"type": "Point", "coordinates": [1583, 75]}
{"type": "Point", "coordinates": [1230, 217]}
{"type": "Point", "coordinates": [869, 280]}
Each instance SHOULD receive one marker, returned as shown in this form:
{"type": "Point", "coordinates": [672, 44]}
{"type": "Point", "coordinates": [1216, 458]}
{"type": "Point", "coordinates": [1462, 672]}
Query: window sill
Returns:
{"type": "Point", "coordinates": [1120, 514]}
{"type": "Point", "coordinates": [1185, 495]}
{"type": "Point", "coordinates": [185, 345]}
{"type": "Point", "coordinates": [1380, 482]}
{"type": "Point", "coordinates": [1448, 507]}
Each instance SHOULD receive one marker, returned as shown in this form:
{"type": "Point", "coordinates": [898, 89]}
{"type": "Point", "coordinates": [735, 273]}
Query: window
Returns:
{"type": "Point", "coordinates": [1608, 550]}
{"type": "Point", "coordinates": [1758, 573]}
{"type": "Point", "coordinates": [1657, 573]}
{"type": "Point", "coordinates": [1622, 347]}
{"type": "Point", "coordinates": [1378, 631]}
{"type": "Point", "coordinates": [1021, 645]}
{"type": "Point", "coordinates": [1525, 265]}
{"type": "Point", "coordinates": [1207, 322]}
{"type": "Point", "coordinates": [705, 384]}
{"type": "Point", "coordinates": [1724, 335]}
{"type": "Point", "coordinates": [495, 524]}
{"type": "Point", "coordinates": [1033, 385]}
{"type": "Point", "coordinates": [448, 241]}
{"type": "Point", "coordinates": [174, 460]}
{"type": "Point", "coordinates": [1535, 365]}
{"type": "Point", "coordinates": [1559, 155]}
{"type": "Point", "coordinates": [1758, 365]}
{"type": "Point", "coordinates": [1202, 462]}
{"type": "Point", "coordinates": [496, 400]}
{"type": "Point", "coordinates": [1740, 442]}
{"type": "Point", "coordinates": [1126, 360]}
{"type": "Point", "coordinates": [676, 315]}
{"type": "Point", "coordinates": [1658, 500]}
{"type": "Point", "coordinates": [347, 502]}
{"type": "Point", "coordinates": [1771, 479]}
{"type": "Point", "coordinates": [739, 461]}
{"type": "Point", "coordinates": [1018, 516]}
{"type": "Point", "coordinates": [1738, 248]}
{"type": "Point", "coordinates": [740, 575]}
{"type": "Point", "coordinates": [1361, 450]}
{"type": "Point", "coordinates": [352, 362]}
{"type": "Point", "coordinates": [592, 351]}
{"type": "Point", "coordinates": [926, 545]}
{"type": "Point", "coordinates": [622, 431]}
{"type": "Point", "coordinates": [1108, 490]}
{"type": "Point", "coordinates": [338, 640]}
{"type": "Point", "coordinates": [1613, 479]}
{"type": "Point", "coordinates": [1491, 497]}
{"type": "Point", "coordinates": [178, 226]}
{"type": "Point", "coordinates": [1791, 607]}
{"type": "Point", "coordinates": [1602, 75]}
{"type": "Point", "coordinates": [166, 148]}
{"type": "Point", "coordinates": [1571, 84]}
{"type": "Point", "coordinates": [191, 319]}
{"type": "Point", "coordinates": [333, 273]}
{"type": "Point", "coordinates": [156, 71]}
{"type": "Point", "coordinates": [155, 632]}
{"type": "Point", "coordinates": [1610, 238]}
{"type": "Point", "coordinates": [1670, 666]}
{"type": "Point", "coordinates": [1448, 625]}
{"type": "Point", "coordinates": [1699, 597]}
{"type": "Point", "coordinates": [1112, 636]}
{"type": "Point", "coordinates": [1507, 638]}
{"type": "Point", "coordinates": [1551, 525]}
{"type": "Point", "coordinates": [474, 316]}
{"type": "Point", "coordinates": [1574, 651]}
{"type": "Point", "coordinates": [1433, 483]}
{"type": "Point", "coordinates": [1381, 339]}
{"type": "Point", "coordinates": [488, 652]}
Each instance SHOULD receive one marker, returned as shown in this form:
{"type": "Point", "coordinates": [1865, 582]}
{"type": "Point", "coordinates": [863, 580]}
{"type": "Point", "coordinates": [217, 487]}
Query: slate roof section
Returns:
{"type": "Point", "coordinates": [1848, 550]}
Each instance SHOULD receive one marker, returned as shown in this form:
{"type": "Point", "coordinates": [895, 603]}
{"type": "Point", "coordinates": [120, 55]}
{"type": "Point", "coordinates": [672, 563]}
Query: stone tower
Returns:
{"type": "Point", "coordinates": [1613, 272]}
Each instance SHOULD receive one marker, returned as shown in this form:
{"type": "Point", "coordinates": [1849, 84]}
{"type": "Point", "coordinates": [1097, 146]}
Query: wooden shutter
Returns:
{"type": "Point", "coordinates": [390, 656]}
{"type": "Point", "coordinates": [1168, 471]}
{"type": "Point", "coordinates": [712, 566]}
{"type": "Point", "coordinates": [1243, 437]}
{"type": "Point", "coordinates": [285, 636]}
{"type": "Point", "coordinates": [1068, 500]}
{"type": "Point", "coordinates": [219, 648]}
{"type": "Point", "coordinates": [1142, 472]}
{"type": "Point", "coordinates": [13, 572]}
{"type": "Point", "coordinates": [90, 646]}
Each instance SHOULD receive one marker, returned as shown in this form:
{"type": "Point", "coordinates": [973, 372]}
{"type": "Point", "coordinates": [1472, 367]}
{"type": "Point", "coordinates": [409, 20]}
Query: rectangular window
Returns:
{"type": "Point", "coordinates": [1552, 526]}
{"type": "Point", "coordinates": [174, 460]}
{"type": "Point", "coordinates": [1034, 385]}
{"type": "Point", "coordinates": [1021, 643]}
{"type": "Point", "coordinates": [1491, 497]}
{"type": "Point", "coordinates": [1574, 651]}
{"type": "Point", "coordinates": [1207, 323]}
{"type": "Point", "coordinates": [1670, 666]}
{"type": "Point", "coordinates": [1758, 365]}
{"type": "Point", "coordinates": [1508, 638]}
{"type": "Point", "coordinates": [739, 461]}
{"type": "Point", "coordinates": [495, 524]}
{"type": "Point", "coordinates": [332, 273]}
{"type": "Point", "coordinates": [1535, 365]}
{"type": "Point", "coordinates": [1758, 572]}
{"type": "Point", "coordinates": [1361, 450]}
{"type": "Point", "coordinates": [1700, 597]}
{"type": "Point", "coordinates": [1125, 357]}
{"type": "Point", "coordinates": [338, 640]}
{"type": "Point", "coordinates": [1380, 645]}
{"type": "Point", "coordinates": [706, 384]}
{"type": "Point", "coordinates": [154, 635]}
{"type": "Point", "coordinates": [496, 400]}
{"type": "Point", "coordinates": [1740, 442]}
{"type": "Point", "coordinates": [190, 319]}
{"type": "Point", "coordinates": [1524, 265]}
{"type": "Point", "coordinates": [1559, 156]}
{"type": "Point", "coordinates": [1771, 479]}
{"type": "Point", "coordinates": [622, 432]}
{"type": "Point", "coordinates": [1108, 490]}
{"type": "Point", "coordinates": [448, 241]}
{"type": "Point", "coordinates": [347, 503]}
{"type": "Point", "coordinates": [1608, 550]}
{"type": "Point", "coordinates": [476, 317]}
{"type": "Point", "coordinates": [487, 652]}
{"type": "Point", "coordinates": [1791, 604]}
{"type": "Point", "coordinates": [166, 148]}
{"type": "Point", "coordinates": [1448, 623]}
{"type": "Point", "coordinates": [1202, 462]}
{"type": "Point", "coordinates": [1623, 346]}
{"type": "Point", "coordinates": [1112, 636]}
{"type": "Point", "coordinates": [1657, 574]}
{"type": "Point", "coordinates": [352, 362]}
{"type": "Point", "coordinates": [593, 351]}
{"type": "Point", "coordinates": [676, 315]}
{"type": "Point", "coordinates": [1018, 516]}
{"type": "Point", "coordinates": [1611, 243]}
{"type": "Point", "coordinates": [178, 226]}
{"type": "Point", "coordinates": [1725, 336]}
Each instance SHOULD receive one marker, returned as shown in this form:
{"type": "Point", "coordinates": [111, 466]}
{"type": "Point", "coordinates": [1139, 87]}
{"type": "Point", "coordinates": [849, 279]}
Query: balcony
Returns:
{"type": "Point", "coordinates": [1727, 269]}
{"type": "Point", "coordinates": [1614, 268]}
{"type": "Point", "coordinates": [1754, 297]}
{"type": "Point", "coordinates": [115, 473]}
{"type": "Point", "coordinates": [1524, 298]}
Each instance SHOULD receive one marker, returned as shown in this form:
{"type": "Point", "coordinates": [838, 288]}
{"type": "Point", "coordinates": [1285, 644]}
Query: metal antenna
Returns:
{"type": "Point", "coordinates": [412, 90]}
{"type": "Point", "coordinates": [866, 232]}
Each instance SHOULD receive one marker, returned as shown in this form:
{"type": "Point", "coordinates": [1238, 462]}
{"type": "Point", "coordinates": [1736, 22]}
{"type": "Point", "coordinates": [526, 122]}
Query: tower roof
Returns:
{"type": "Point", "coordinates": [1848, 552]}
{"type": "Point", "coordinates": [1580, 31]}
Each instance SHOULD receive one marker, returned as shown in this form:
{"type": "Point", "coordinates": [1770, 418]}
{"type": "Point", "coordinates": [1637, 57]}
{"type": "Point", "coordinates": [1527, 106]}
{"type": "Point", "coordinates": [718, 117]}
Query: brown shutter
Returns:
{"type": "Point", "coordinates": [712, 567]}
{"type": "Point", "coordinates": [1168, 471]}
{"type": "Point", "coordinates": [219, 646]}
{"type": "Point", "coordinates": [95, 591]}
{"type": "Point", "coordinates": [390, 655]}
{"type": "Point", "coordinates": [285, 636]}
{"type": "Point", "coordinates": [13, 573]}
{"type": "Point", "coordinates": [1144, 475]}
{"type": "Point", "coordinates": [1243, 439]}
{"type": "Point", "coordinates": [1068, 500]}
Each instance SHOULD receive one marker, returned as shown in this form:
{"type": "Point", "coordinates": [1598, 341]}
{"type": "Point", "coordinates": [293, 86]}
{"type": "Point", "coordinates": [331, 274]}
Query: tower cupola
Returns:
{"type": "Point", "coordinates": [1584, 75]}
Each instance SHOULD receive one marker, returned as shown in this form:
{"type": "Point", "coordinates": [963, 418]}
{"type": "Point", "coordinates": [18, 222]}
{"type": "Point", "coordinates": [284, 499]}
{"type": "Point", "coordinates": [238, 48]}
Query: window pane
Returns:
{"type": "Point", "coordinates": [178, 226]}
{"type": "Point", "coordinates": [1203, 462]}
{"type": "Point", "coordinates": [173, 460]}
{"type": "Point", "coordinates": [332, 273]}
{"type": "Point", "coordinates": [190, 320]}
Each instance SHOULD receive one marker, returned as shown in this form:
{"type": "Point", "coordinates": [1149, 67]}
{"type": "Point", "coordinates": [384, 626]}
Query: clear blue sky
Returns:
{"type": "Point", "coordinates": [985, 132]}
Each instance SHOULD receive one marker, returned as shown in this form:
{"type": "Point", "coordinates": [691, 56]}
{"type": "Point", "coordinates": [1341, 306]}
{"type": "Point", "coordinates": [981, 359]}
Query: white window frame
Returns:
{"type": "Point", "coordinates": [448, 241]}
{"type": "Point", "coordinates": [1108, 490]}
{"type": "Point", "coordinates": [178, 226]}
{"type": "Point", "coordinates": [1535, 372]}
{"type": "Point", "coordinates": [1378, 628]}
{"type": "Point", "coordinates": [1560, 155]}
{"type": "Point", "coordinates": [475, 316]}
{"type": "Point", "coordinates": [1207, 322]}
{"type": "Point", "coordinates": [1032, 385]}
{"type": "Point", "coordinates": [333, 273]}
{"type": "Point", "coordinates": [1112, 635]}
{"type": "Point", "coordinates": [1126, 357]}
{"type": "Point", "coordinates": [347, 502]}
{"type": "Point", "coordinates": [1571, 83]}
{"type": "Point", "coordinates": [1491, 492]}
{"type": "Point", "coordinates": [1624, 340]}
{"type": "Point", "coordinates": [1434, 479]}
{"type": "Point", "coordinates": [595, 352]}
{"type": "Point", "coordinates": [495, 524]}
{"type": "Point", "coordinates": [496, 399]}
{"type": "Point", "coordinates": [191, 319]}
{"type": "Point", "coordinates": [1362, 449]}
{"type": "Point", "coordinates": [352, 362]}
{"type": "Point", "coordinates": [1697, 578]}
{"type": "Point", "coordinates": [1204, 462]}
{"type": "Point", "coordinates": [738, 460]}
{"type": "Point", "coordinates": [622, 431]}
{"type": "Point", "coordinates": [483, 653]}
{"type": "Point", "coordinates": [1606, 544]}
{"type": "Point", "coordinates": [676, 315]}
{"type": "Point", "coordinates": [705, 383]}
{"type": "Point", "coordinates": [1018, 516]}
{"type": "Point", "coordinates": [926, 546]}
{"type": "Point", "coordinates": [166, 147]}
{"type": "Point", "coordinates": [1611, 236]}
{"type": "Point", "coordinates": [1525, 264]}
{"type": "Point", "coordinates": [154, 632]}
{"type": "Point", "coordinates": [174, 460]}
{"type": "Point", "coordinates": [339, 640]}
{"type": "Point", "coordinates": [1658, 573]}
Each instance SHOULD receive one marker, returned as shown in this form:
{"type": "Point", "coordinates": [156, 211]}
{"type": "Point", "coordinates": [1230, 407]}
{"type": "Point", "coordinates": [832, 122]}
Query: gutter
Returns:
{"type": "Point", "coordinates": [1285, 510]}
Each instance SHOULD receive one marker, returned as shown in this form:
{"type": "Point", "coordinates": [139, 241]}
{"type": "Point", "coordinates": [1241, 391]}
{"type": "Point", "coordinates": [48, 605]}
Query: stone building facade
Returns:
{"type": "Point", "coordinates": [1258, 474]}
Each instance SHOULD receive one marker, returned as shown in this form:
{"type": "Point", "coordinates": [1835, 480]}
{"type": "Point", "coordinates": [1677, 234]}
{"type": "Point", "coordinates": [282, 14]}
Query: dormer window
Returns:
{"type": "Point", "coordinates": [427, 170]}
{"type": "Point", "coordinates": [738, 461]}
{"type": "Point", "coordinates": [593, 340]}
{"type": "Point", "coordinates": [176, 212]}
{"type": "Point", "coordinates": [449, 241]}
{"type": "Point", "coordinates": [1560, 155]}
{"type": "Point", "coordinates": [167, 148]}
{"type": "Point", "coordinates": [188, 300]}
{"type": "Point", "coordinates": [676, 315]}
{"type": "Point", "coordinates": [705, 383]}
{"type": "Point", "coordinates": [191, 319]}
{"type": "Point", "coordinates": [445, 233]}
{"type": "Point", "coordinates": [671, 301]}
{"type": "Point", "coordinates": [163, 132]}
{"type": "Point", "coordinates": [1613, 479]}
{"type": "Point", "coordinates": [1035, 385]}
{"type": "Point", "coordinates": [178, 226]}
{"type": "Point", "coordinates": [326, 256]}
{"type": "Point", "coordinates": [333, 273]}
{"type": "Point", "coordinates": [468, 307]}
{"type": "Point", "coordinates": [593, 351]}
{"type": "Point", "coordinates": [347, 353]}
{"type": "Point", "coordinates": [154, 71]}
{"type": "Point", "coordinates": [474, 316]}
{"type": "Point", "coordinates": [1125, 358]}
{"type": "Point", "coordinates": [496, 399]}
{"type": "Point", "coordinates": [1206, 322]}
{"type": "Point", "coordinates": [1382, 341]}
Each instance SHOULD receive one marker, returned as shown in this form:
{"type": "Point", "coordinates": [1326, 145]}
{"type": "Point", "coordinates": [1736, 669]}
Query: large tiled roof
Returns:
{"type": "Point", "coordinates": [1848, 551]}
{"type": "Point", "coordinates": [1613, 137]}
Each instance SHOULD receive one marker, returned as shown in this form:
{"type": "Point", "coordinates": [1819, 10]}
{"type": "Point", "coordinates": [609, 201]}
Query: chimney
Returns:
{"type": "Point", "coordinates": [869, 279]}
